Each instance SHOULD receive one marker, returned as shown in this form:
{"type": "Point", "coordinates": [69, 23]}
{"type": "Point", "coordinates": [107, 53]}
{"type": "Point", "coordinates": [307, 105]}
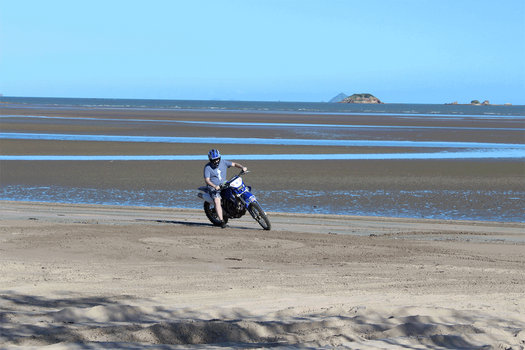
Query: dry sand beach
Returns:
{"type": "Point", "coordinates": [79, 276]}
{"type": "Point", "coordinates": [90, 277]}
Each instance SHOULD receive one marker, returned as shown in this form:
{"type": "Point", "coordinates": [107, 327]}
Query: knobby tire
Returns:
{"type": "Point", "coordinates": [260, 216]}
{"type": "Point", "coordinates": [211, 214]}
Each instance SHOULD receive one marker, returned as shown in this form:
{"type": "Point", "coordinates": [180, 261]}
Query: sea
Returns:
{"type": "Point", "coordinates": [395, 203]}
{"type": "Point", "coordinates": [273, 106]}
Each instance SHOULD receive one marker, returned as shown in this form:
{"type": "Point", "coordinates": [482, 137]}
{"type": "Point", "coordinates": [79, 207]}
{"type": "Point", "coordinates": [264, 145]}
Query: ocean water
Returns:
{"type": "Point", "coordinates": [469, 154]}
{"type": "Point", "coordinates": [441, 110]}
{"type": "Point", "coordinates": [259, 141]}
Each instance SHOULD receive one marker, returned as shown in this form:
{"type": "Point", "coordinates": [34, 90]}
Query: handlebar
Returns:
{"type": "Point", "coordinates": [227, 183]}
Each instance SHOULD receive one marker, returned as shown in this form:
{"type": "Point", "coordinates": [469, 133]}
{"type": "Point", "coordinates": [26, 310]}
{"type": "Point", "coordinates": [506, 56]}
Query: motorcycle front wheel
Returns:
{"type": "Point", "coordinates": [259, 215]}
{"type": "Point", "coordinates": [211, 214]}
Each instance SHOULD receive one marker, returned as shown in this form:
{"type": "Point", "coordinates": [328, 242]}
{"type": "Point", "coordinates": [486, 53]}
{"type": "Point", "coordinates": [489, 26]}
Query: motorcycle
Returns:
{"type": "Point", "coordinates": [236, 199]}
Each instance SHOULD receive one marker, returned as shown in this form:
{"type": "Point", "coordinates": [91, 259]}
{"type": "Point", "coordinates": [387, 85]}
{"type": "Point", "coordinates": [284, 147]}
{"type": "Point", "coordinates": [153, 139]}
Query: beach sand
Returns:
{"type": "Point", "coordinates": [91, 277]}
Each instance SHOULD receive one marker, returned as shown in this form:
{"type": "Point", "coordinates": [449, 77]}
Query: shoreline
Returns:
{"type": "Point", "coordinates": [286, 221]}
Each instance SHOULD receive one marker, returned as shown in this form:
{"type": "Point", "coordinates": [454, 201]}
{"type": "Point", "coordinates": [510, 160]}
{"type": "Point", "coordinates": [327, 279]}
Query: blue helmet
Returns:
{"type": "Point", "coordinates": [214, 156]}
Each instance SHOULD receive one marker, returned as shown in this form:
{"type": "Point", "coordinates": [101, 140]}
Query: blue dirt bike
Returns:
{"type": "Point", "coordinates": [236, 200]}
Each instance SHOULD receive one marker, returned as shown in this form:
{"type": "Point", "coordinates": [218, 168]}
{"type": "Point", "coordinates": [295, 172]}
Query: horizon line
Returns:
{"type": "Point", "coordinates": [454, 103]}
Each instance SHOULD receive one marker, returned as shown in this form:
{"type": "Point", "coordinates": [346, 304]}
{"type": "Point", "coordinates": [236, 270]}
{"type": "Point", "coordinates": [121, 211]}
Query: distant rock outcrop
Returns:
{"type": "Point", "coordinates": [477, 103]}
{"type": "Point", "coordinates": [361, 98]}
{"type": "Point", "coordinates": [339, 97]}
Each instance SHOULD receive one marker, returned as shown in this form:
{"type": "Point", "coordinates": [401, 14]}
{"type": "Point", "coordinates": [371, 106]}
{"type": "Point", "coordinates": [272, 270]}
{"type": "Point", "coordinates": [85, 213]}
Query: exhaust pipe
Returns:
{"type": "Point", "coordinates": [205, 196]}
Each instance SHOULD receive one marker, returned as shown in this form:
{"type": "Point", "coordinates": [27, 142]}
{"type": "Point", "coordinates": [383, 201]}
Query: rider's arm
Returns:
{"type": "Point", "coordinates": [237, 165]}
{"type": "Point", "coordinates": [209, 183]}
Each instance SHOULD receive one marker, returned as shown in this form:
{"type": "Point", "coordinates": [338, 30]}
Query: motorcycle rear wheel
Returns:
{"type": "Point", "coordinates": [211, 214]}
{"type": "Point", "coordinates": [259, 215]}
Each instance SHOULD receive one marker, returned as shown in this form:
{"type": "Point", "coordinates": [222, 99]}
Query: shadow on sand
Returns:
{"type": "Point", "coordinates": [192, 224]}
{"type": "Point", "coordinates": [100, 322]}
{"type": "Point", "coordinates": [177, 222]}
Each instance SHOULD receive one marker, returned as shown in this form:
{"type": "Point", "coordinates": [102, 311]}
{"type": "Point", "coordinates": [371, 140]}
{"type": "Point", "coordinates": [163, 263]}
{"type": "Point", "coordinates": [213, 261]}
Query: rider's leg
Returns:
{"type": "Point", "coordinates": [218, 208]}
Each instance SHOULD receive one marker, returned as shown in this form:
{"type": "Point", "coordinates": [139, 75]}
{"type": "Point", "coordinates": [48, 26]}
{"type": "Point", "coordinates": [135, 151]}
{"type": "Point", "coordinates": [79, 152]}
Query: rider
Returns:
{"type": "Point", "coordinates": [214, 175]}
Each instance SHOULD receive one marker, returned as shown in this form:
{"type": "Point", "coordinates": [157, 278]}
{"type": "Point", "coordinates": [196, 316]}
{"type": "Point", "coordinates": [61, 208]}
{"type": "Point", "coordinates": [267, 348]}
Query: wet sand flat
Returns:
{"type": "Point", "coordinates": [442, 183]}
{"type": "Point", "coordinates": [135, 122]}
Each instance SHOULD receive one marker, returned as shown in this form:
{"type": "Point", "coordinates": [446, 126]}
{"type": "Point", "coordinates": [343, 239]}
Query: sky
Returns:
{"type": "Point", "coordinates": [401, 51]}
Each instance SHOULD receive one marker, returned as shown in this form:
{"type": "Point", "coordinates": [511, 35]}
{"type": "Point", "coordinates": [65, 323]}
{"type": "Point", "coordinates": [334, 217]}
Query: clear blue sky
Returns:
{"type": "Point", "coordinates": [402, 51]}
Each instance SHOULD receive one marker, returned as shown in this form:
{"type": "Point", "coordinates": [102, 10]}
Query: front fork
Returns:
{"type": "Point", "coordinates": [247, 198]}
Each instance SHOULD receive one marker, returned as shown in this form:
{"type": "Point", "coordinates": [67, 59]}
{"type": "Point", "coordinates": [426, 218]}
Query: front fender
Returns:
{"type": "Point", "coordinates": [248, 198]}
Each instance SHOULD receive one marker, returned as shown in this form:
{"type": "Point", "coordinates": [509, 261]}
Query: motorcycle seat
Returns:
{"type": "Point", "coordinates": [204, 189]}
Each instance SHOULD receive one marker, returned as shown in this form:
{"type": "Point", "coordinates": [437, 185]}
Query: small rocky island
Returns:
{"type": "Point", "coordinates": [361, 98]}
{"type": "Point", "coordinates": [341, 96]}
{"type": "Point", "coordinates": [477, 103]}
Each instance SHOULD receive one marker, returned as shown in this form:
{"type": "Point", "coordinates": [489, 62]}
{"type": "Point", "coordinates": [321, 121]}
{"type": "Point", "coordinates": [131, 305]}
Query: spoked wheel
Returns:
{"type": "Point", "coordinates": [259, 215]}
{"type": "Point", "coordinates": [211, 214]}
